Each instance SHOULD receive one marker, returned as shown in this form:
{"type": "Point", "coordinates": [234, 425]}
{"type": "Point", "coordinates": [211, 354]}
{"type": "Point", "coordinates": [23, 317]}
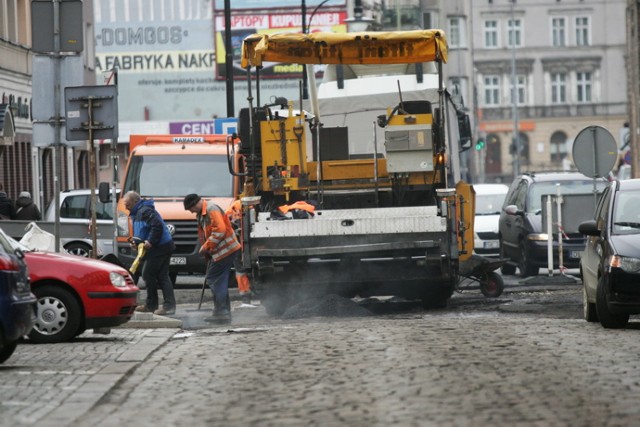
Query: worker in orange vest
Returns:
{"type": "Point", "coordinates": [234, 212]}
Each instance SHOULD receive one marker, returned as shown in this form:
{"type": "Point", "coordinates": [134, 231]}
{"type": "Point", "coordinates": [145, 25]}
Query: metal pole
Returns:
{"type": "Point", "coordinates": [228, 58]}
{"type": "Point", "coordinates": [92, 181]}
{"type": "Point", "coordinates": [57, 169]}
{"type": "Point", "coordinates": [549, 235]}
{"type": "Point", "coordinates": [514, 94]}
{"type": "Point", "coordinates": [559, 201]}
{"type": "Point", "coordinates": [305, 30]}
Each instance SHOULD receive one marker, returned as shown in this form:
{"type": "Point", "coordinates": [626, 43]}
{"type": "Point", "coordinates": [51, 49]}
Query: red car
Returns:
{"type": "Point", "coordinates": [75, 294]}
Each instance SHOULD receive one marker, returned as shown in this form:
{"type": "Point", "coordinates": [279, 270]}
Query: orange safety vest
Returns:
{"type": "Point", "coordinates": [215, 231]}
{"type": "Point", "coordinates": [234, 211]}
{"type": "Point", "coordinates": [298, 205]}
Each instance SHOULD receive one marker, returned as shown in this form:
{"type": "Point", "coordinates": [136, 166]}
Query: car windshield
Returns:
{"type": "Point", "coordinates": [489, 204]}
{"type": "Point", "coordinates": [626, 213]}
{"type": "Point", "coordinates": [175, 176]}
{"type": "Point", "coordinates": [539, 189]}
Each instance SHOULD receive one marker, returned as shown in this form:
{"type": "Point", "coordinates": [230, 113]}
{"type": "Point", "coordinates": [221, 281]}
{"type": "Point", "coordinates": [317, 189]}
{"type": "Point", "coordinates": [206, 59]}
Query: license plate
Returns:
{"type": "Point", "coordinates": [492, 244]}
{"type": "Point", "coordinates": [575, 254]}
{"type": "Point", "coordinates": [178, 260]}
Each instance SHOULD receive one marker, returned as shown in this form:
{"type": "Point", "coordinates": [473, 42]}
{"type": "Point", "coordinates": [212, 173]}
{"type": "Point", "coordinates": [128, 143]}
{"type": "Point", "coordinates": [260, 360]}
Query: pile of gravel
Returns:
{"type": "Point", "coordinates": [328, 306]}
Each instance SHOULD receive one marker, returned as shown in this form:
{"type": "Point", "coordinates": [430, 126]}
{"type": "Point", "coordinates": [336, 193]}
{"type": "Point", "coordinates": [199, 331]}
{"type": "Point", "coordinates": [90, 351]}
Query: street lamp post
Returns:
{"type": "Point", "coordinates": [514, 95]}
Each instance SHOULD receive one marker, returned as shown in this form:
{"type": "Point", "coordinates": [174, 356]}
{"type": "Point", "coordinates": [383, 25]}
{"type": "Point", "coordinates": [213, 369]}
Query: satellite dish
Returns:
{"type": "Point", "coordinates": [595, 151]}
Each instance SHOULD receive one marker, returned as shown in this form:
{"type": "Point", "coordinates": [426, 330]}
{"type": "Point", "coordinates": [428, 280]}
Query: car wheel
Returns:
{"type": "Point", "coordinates": [57, 317]}
{"type": "Point", "coordinates": [6, 348]}
{"type": "Point", "coordinates": [492, 285]}
{"type": "Point", "coordinates": [507, 268]}
{"type": "Point", "coordinates": [78, 249]}
{"type": "Point", "coordinates": [607, 318]}
{"type": "Point", "coordinates": [588, 308]}
{"type": "Point", "coordinates": [526, 269]}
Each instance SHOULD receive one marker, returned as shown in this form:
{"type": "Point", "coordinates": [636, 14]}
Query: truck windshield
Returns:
{"type": "Point", "coordinates": [177, 176]}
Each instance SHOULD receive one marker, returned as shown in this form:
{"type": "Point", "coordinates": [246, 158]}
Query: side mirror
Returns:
{"type": "Point", "coordinates": [464, 128]}
{"type": "Point", "coordinates": [513, 210]}
{"type": "Point", "coordinates": [104, 192]}
{"type": "Point", "coordinates": [589, 228]}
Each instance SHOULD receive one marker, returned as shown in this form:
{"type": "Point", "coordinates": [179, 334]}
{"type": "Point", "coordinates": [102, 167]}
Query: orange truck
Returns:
{"type": "Point", "coordinates": [165, 168]}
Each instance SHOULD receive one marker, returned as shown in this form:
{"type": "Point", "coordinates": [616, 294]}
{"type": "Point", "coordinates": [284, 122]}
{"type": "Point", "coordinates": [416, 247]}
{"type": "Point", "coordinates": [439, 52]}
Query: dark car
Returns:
{"type": "Point", "coordinates": [17, 303]}
{"type": "Point", "coordinates": [610, 266]}
{"type": "Point", "coordinates": [522, 238]}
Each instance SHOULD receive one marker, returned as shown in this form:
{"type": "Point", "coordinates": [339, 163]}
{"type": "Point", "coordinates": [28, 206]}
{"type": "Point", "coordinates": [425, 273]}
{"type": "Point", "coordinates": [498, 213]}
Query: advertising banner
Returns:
{"type": "Point", "coordinates": [261, 22]}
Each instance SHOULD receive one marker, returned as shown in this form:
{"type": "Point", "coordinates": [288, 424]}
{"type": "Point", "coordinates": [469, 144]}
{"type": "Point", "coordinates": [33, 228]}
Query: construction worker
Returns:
{"type": "Point", "coordinates": [219, 245]}
{"type": "Point", "coordinates": [234, 212]}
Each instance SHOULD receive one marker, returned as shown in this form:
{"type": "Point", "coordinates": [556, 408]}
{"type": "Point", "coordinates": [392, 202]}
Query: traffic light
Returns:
{"type": "Point", "coordinates": [480, 143]}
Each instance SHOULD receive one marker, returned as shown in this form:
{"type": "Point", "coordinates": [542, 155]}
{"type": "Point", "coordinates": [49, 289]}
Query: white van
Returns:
{"type": "Point", "coordinates": [75, 208]}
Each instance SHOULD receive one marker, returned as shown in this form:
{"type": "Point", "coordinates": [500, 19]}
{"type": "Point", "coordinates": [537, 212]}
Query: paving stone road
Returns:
{"type": "Point", "coordinates": [525, 359]}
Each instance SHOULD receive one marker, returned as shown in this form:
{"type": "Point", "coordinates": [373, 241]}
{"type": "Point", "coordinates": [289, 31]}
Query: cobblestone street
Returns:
{"type": "Point", "coordinates": [524, 359]}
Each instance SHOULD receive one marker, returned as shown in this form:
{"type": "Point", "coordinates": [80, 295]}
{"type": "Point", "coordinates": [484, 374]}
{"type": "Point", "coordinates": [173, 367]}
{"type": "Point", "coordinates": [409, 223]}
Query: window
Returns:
{"type": "Point", "coordinates": [558, 88]}
{"type": "Point", "coordinates": [514, 32]}
{"type": "Point", "coordinates": [491, 90]}
{"type": "Point", "coordinates": [558, 146]}
{"type": "Point", "coordinates": [455, 36]}
{"type": "Point", "coordinates": [582, 31]}
{"type": "Point", "coordinates": [520, 90]}
{"type": "Point", "coordinates": [558, 32]}
{"type": "Point", "coordinates": [490, 34]}
{"type": "Point", "coordinates": [583, 87]}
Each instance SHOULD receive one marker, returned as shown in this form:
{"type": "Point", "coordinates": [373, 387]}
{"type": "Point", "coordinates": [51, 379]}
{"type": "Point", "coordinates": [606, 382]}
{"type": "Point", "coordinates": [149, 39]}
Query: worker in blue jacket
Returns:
{"type": "Point", "coordinates": [149, 228]}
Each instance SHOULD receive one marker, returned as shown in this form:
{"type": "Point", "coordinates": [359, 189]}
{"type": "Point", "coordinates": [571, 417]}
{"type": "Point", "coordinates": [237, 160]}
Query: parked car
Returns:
{"type": "Point", "coordinates": [522, 239]}
{"type": "Point", "coordinates": [75, 294]}
{"type": "Point", "coordinates": [489, 200]}
{"type": "Point", "coordinates": [610, 266]}
{"type": "Point", "coordinates": [75, 208]}
{"type": "Point", "coordinates": [17, 303]}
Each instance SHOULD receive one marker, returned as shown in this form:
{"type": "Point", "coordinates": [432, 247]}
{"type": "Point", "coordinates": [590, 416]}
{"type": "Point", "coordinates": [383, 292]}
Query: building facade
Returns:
{"type": "Point", "coordinates": [567, 59]}
{"type": "Point", "coordinates": [25, 166]}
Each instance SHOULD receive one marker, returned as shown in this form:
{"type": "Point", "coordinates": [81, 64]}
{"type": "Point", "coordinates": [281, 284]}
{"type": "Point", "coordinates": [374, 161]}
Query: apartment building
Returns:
{"type": "Point", "coordinates": [567, 58]}
{"type": "Point", "coordinates": [24, 166]}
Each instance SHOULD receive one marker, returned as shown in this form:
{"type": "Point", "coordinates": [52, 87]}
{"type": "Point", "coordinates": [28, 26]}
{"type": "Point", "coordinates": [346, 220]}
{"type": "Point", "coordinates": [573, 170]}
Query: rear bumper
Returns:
{"type": "Point", "coordinates": [20, 318]}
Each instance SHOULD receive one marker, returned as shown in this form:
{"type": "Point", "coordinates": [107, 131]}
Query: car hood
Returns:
{"type": "Point", "coordinates": [70, 263]}
{"type": "Point", "coordinates": [626, 245]}
{"type": "Point", "coordinates": [486, 223]}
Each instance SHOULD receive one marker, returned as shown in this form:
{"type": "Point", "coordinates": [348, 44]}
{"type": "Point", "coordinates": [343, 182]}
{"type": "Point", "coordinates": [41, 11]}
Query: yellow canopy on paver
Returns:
{"type": "Point", "coordinates": [397, 47]}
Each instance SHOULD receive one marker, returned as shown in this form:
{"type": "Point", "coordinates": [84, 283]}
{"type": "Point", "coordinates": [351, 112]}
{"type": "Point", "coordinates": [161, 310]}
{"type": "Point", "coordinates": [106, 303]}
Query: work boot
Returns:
{"type": "Point", "coordinates": [165, 311]}
{"type": "Point", "coordinates": [245, 298]}
{"type": "Point", "coordinates": [143, 309]}
{"type": "Point", "coordinates": [222, 316]}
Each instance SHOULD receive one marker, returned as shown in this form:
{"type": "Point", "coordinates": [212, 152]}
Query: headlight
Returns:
{"type": "Point", "coordinates": [538, 236]}
{"type": "Point", "coordinates": [628, 264]}
{"type": "Point", "coordinates": [123, 225]}
{"type": "Point", "coordinates": [117, 280]}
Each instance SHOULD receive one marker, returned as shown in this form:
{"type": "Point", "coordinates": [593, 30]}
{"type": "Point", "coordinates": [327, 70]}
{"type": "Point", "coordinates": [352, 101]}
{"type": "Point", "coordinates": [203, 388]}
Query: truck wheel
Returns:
{"type": "Point", "coordinates": [58, 315]}
{"type": "Point", "coordinates": [78, 249]}
{"type": "Point", "coordinates": [492, 285]}
{"type": "Point", "coordinates": [608, 319]}
{"type": "Point", "coordinates": [437, 298]}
